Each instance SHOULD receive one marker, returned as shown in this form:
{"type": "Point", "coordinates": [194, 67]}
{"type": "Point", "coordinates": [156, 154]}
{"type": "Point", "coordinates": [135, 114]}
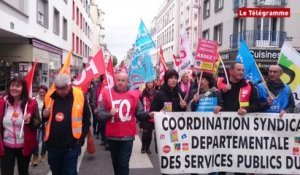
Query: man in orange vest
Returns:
{"type": "Point", "coordinates": [120, 107]}
{"type": "Point", "coordinates": [67, 121]}
{"type": "Point", "coordinates": [239, 94]}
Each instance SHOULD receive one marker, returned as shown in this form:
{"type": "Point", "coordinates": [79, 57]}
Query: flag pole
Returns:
{"type": "Point", "coordinates": [226, 76]}
{"type": "Point", "coordinates": [110, 94]}
{"type": "Point", "coordinates": [264, 83]}
{"type": "Point", "coordinates": [23, 121]}
{"type": "Point", "coordinates": [199, 82]}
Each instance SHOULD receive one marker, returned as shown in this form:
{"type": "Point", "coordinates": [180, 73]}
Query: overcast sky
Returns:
{"type": "Point", "coordinates": [121, 22]}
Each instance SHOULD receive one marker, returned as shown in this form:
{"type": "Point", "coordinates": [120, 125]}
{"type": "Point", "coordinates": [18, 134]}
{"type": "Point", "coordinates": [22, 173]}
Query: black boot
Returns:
{"type": "Point", "coordinates": [143, 150]}
{"type": "Point", "coordinates": [148, 146]}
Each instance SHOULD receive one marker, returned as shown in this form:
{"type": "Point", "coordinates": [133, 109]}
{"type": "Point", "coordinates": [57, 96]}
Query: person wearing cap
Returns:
{"type": "Point", "coordinates": [67, 120]}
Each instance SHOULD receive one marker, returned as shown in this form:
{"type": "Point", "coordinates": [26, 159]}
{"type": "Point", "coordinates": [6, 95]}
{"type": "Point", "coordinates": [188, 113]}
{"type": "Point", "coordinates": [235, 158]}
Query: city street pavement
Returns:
{"type": "Point", "coordinates": [99, 163]}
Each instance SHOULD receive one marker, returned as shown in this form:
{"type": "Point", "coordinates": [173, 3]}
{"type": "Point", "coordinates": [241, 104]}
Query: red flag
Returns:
{"type": "Point", "coordinates": [29, 77]}
{"type": "Point", "coordinates": [108, 79]}
{"type": "Point", "coordinates": [162, 67]}
{"type": "Point", "coordinates": [94, 69]}
{"type": "Point", "coordinates": [65, 69]}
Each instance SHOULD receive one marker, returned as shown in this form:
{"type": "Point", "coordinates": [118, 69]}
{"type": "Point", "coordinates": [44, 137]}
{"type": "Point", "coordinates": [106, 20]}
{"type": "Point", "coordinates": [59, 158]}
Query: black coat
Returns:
{"type": "Point", "coordinates": [166, 95]}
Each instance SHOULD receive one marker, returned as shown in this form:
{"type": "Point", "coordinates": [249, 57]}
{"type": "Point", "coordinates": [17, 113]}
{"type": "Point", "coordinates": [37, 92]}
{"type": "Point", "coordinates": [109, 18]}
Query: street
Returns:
{"type": "Point", "coordinates": [100, 162]}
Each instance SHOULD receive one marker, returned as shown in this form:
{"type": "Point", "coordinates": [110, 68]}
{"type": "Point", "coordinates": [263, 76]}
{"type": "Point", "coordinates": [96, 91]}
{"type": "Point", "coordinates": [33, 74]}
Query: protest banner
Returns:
{"type": "Point", "coordinates": [141, 69]}
{"type": "Point", "coordinates": [206, 55]}
{"type": "Point", "coordinates": [193, 142]}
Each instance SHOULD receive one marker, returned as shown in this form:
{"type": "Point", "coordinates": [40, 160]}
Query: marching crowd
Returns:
{"type": "Point", "coordinates": [59, 118]}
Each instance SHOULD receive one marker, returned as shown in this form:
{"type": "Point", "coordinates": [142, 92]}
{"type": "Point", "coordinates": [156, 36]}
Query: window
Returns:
{"type": "Point", "coordinates": [65, 29]}
{"type": "Point", "coordinates": [80, 47]}
{"type": "Point", "coordinates": [206, 8]}
{"type": "Point", "coordinates": [73, 11]}
{"type": "Point", "coordinates": [239, 3]}
{"type": "Point", "coordinates": [77, 16]}
{"type": "Point", "coordinates": [77, 44]}
{"type": "Point", "coordinates": [73, 42]}
{"type": "Point", "coordinates": [205, 34]}
{"type": "Point", "coordinates": [80, 20]}
{"type": "Point", "coordinates": [56, 21]}
{"type": "Point", "coordinates": [42, 12]}
{"type": "Point", "coordinates": [218, 32]}
{"type": "Point", "coordinates": [218, 5]}
{"type": "Point", "coordinates": [195, 38]}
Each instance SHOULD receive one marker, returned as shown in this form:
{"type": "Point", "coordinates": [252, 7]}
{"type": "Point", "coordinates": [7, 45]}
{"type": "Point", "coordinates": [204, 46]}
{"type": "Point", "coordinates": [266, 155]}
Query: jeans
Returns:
{"type": "Point", "coordinates": [8, 161]}
{"type": "Point", "coordinates": [120, 153]}
{"type": "Point", "coordinates": [40, 136]}
{"type": "Point", "coordinates": [63, 161]}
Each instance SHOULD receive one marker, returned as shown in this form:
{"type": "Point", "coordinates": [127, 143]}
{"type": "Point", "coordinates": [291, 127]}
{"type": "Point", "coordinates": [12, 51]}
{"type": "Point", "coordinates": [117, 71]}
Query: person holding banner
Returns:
{"type": "Point", "coordinates": [278, 98]}
{"type": "Point", "coordinates": [17, 141]}
{"type": "Point", "coordinates": [120, 108]}
{"type": "Point", "coordinates": [169, 97]}
{"type": "Point", "coordinates": [238, 94]}
{"type": "Point", "coordinates": [208, 98]}
{"type": "Point", "coordinates": [67, 121]}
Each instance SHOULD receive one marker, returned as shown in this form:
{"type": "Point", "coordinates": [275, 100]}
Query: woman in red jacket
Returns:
{"type": "Point", "coordinates": [17, 142]}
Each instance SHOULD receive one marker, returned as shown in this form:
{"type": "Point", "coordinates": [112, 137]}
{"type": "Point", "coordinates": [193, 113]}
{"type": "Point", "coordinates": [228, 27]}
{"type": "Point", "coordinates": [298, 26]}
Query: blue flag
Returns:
{"type": "Point", "coordinates": [251, 70]}
{"type": "Point", "coordinates": [141, 69]}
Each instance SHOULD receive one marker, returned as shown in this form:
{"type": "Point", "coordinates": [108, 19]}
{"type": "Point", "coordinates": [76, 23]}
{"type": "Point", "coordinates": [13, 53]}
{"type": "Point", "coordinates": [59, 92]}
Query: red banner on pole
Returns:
{"type": "Point", "coordinates": [94, 69]}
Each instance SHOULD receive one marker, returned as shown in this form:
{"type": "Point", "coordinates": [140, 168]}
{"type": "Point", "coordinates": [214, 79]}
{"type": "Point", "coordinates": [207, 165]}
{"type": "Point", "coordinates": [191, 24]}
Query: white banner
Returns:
{"type": "Point", "coordinates": [193, 142]}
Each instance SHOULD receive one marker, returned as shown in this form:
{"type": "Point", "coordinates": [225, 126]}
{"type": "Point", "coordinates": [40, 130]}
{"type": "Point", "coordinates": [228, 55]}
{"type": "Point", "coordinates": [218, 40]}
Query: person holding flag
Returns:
{"type": "Point", "coordinates": [67, 120]}
{"type": "Point", "coordinates": [207, 94]}
{"type": "Point", "coordinates": [120, 108]}
{"type": "Point", "coordinates": [17, 141]}
{"type": "Point", "coordinates": [277, 97]}
{"type": "Point", "coordinates": [238, 94]}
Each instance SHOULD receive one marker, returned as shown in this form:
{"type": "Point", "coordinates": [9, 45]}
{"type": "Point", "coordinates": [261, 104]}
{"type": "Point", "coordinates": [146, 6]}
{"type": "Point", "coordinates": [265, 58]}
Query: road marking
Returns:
{"type": "Point", "coordinates": [137, 159]}
{"type": "Point", "coordinates": [83, 148]}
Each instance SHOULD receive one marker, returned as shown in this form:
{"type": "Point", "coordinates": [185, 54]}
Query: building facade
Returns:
{"type": "Point", "coordinates": [174, 16]}
{"type": "Point", "coordinates": [264, 36]}
{"type": "Point", "coordinates": [45, 30]}
{"type": "Point", "coordinates": [33, 29]}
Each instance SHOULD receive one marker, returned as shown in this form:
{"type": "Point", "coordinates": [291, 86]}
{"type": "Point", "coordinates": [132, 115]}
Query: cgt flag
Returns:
{"type": "Point", "coordinates": [141, 69]}
{"type": "Point", "coordinates": [185, 58]}
{"type": "Point", "coordinates": [108, 80]}
{"type": "Point", "coordinates": [94, 69]}
{"type": "Point", "coordinates": [244, 56]}
{"type": "Point", "coordinates": [289, 60]}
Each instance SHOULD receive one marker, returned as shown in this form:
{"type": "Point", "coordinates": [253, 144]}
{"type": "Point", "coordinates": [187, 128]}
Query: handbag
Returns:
{"type": "Point", "coordinates": [90, 143]}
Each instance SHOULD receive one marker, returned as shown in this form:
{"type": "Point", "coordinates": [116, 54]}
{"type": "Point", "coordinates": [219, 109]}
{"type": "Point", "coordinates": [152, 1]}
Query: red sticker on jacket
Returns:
{"type": "Point", "coordinates": [59, 116]}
